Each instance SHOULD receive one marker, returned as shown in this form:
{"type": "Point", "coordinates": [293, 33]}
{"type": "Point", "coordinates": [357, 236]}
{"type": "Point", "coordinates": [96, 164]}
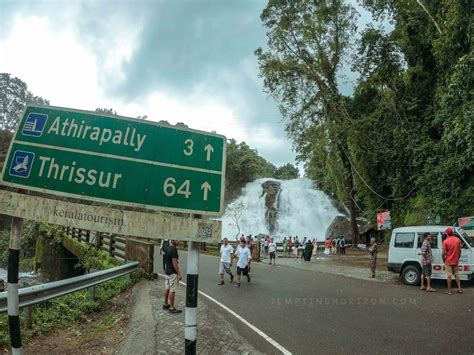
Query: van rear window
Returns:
{"type": "Point", "coordinates": [404, 240]}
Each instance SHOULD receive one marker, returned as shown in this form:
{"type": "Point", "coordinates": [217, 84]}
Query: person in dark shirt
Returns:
{"type": "Point", "coordinates": [172, 277]}
{"type": "Point", "coordinates": [164, 245]}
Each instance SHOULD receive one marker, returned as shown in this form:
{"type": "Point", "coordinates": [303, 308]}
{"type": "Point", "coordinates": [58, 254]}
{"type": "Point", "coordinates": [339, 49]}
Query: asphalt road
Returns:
{"type": "Point", "coordinates": [313, 312]}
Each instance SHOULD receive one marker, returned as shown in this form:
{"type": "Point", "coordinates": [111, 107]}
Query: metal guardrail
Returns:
{"type": "Point", "coordinates": [40, 293]}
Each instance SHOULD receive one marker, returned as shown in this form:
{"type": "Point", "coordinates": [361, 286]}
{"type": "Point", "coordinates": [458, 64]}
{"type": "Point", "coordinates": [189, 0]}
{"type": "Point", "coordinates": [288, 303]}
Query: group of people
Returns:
{"type": "Point", "coordinates": [451, 256]}
{"type": "Point", "coordinates": [335, 246]}
{"type": "Point", "coordinates": [243, 255]}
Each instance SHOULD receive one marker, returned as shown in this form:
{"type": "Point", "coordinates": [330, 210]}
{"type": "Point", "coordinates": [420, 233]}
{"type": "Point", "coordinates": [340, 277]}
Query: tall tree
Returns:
{"type": "Point", "coordinates": [286, 172]}
{"type": "Point", "coordinates": [307, 41]}
{"type": "Point", "coordinates": [420, 74]}
{"type": "Point", "coordinates": [243, 165]}
{"type": "Point", "coordinates": [14, 96]}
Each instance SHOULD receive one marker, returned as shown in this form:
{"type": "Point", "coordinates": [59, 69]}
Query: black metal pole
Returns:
{"type": "Point", "coordinates": [190, 317]}
{"type": "Point", "coordinates": [12, 295]}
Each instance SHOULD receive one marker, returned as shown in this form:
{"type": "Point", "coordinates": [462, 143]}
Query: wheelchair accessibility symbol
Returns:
{"type": "Point", "coordinates": [21, 164]}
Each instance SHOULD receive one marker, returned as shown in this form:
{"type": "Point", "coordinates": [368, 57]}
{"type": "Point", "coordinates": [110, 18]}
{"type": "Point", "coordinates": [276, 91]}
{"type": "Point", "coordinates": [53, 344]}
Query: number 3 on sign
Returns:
{"type": "Point", "coordinates": [189, 147]}
{"type": "Point", "coordinates": [169, 188]}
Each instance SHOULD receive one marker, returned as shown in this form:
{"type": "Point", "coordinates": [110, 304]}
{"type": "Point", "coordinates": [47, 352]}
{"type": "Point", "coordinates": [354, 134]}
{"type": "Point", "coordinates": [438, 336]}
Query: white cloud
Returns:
{"type": "Point", "coordinates": [53, 64]}
{"type": "Point", "coordinates": [59, 65]}
{"type": "Point", "coordinates": [196, 112]}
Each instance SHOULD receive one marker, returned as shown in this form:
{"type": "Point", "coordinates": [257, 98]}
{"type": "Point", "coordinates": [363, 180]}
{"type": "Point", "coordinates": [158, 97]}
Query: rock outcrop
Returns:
{"type": "Point", "coordinates": [341, 225]}
{"type": "Point", "coordinates": [271, 189]}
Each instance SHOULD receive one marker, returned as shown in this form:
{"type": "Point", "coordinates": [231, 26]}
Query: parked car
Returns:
{"type": "Point", "coordinates": [404, 254]}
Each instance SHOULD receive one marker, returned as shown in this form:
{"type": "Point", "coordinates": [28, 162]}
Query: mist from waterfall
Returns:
{"type": "Point", "coordinates": [304, 211]}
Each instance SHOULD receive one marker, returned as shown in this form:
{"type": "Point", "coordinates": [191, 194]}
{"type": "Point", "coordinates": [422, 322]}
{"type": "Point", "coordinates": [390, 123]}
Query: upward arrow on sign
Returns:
{"type": "Point", "coordinates": [206, 187]}
{"type": "Point", "coordinates": [208, 148]}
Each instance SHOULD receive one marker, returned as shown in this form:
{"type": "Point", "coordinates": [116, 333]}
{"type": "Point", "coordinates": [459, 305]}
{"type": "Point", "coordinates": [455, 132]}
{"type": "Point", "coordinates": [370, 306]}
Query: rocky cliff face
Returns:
{"type": "Point", "coordinates": [271, 190]}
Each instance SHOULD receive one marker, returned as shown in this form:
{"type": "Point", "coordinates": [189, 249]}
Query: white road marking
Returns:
{"type": "Point", "coordinates": [251, 326]}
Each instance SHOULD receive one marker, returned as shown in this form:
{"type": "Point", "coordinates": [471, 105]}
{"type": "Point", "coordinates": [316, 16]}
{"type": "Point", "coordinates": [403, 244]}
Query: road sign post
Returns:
{"type": "Point", "coordinates": [115, 160]}
{"type": "Point", "coordinates": [12, 280]}
{"type": "Point", "coordinates": [190, 316]}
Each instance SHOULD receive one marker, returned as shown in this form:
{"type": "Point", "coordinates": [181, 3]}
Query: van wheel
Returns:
{"type": "Point", "coordinates": [411, 275]}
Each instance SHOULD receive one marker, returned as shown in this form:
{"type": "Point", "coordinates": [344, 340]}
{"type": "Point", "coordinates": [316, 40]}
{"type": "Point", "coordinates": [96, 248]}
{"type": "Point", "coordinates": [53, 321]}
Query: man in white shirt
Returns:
{"type": "Point", "coordinates": [244, 256]}
{"type": "Point", "coordinates": [226, 260]}
{"type": "Point", "coordinates": [272, 247]}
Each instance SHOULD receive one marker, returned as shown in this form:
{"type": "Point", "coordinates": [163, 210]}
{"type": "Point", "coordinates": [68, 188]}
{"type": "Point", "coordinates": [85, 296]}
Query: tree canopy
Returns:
{"type": "Point", "coordinates": [403, 140]}
{"type": "Point", "coordinates": [243, 165]}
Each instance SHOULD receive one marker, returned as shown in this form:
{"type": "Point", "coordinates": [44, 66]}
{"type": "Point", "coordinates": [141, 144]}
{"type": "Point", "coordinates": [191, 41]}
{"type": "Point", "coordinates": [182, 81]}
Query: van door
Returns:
{"type": "Point", "coordinates": [438, 264]}
{"type": "Point", "coordinates": [465, 261]}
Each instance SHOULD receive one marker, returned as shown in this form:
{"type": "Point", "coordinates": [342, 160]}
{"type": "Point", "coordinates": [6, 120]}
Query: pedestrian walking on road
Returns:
{"type": "Point", "coordinates": [243, 255]}
{"type": "Point", "coordinates": [285, 245]}
{"type": "Point", "coordinates": [373, 256]}
{"type": "Point", "coordinates": [173, 276]}
{"type": "Point", "coordinates": [343, 245]}
{"type": "Point", "coordinates": [451, 256]}
{"type": "Point", "coordinates": [290, 244]}
{"type": "Point", "coordinates": [334, 246]}
{"type": "Point", "coordinates": [315, 246]}
{"type": "Point", "coordinates": [426, 261]}
{"type": "Point", "coordinates": [308, 251]}
{"type": "Point", "coordinates": [272, 247]}
{"type": "Point", "coordinates": [226, 261]}
{"type": "Point", "coordinates": [327, 247]}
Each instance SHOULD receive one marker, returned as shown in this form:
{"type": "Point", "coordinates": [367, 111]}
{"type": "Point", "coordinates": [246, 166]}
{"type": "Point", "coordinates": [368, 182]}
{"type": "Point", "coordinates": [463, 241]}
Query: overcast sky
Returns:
{"type": "Point", "coordinates": [180, 61]}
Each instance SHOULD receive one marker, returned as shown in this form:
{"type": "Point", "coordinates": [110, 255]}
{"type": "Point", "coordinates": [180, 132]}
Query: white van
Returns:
{"type": "Point", "coordinates": [404, 254]}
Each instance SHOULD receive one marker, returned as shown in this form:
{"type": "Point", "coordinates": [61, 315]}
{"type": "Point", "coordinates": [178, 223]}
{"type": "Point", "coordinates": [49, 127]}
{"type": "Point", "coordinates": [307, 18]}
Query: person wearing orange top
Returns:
{"type": "Point", "coordinates": [451, 256]}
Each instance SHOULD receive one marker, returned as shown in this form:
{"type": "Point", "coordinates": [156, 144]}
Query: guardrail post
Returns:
{"type": "Point", "coordinates": [92, 293]}
{"type": "Point", "coordinates": [98, 239]}
{"type": "Point", "coordinates": [111, 245]}
{"type": "Point", "coordinates": [28, 319]}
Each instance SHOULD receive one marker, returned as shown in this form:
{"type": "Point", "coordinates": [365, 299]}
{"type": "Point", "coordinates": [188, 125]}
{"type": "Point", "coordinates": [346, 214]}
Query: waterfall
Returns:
{"type": "Point", "coordinates": [303, 211]}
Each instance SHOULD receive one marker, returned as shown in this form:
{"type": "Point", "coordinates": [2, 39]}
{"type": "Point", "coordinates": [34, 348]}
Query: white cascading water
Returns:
{"type": "Point", "coordinates": [304, 211]}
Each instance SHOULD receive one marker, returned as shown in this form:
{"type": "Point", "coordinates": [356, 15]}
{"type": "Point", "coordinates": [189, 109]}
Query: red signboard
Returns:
{"type": "Point", "coordinates": [465, 222]}
{"type": "Point", "coordinates": [384, 221]}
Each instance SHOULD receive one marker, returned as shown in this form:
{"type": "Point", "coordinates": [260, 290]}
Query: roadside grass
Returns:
{"type": "Point", "coordinates": [66, 311]}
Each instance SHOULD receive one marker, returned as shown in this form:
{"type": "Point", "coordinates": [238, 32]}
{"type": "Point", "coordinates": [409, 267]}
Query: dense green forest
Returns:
{"type": "Point", "coordinates": [403, 141]}
{"type": "Point", "coordinates": [243, 163]}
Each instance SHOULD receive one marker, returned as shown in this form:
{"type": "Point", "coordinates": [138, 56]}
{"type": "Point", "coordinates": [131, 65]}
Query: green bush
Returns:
{"type": "Point", "coordinates": [65, 311]}
{"type": "Point", "coordinates": [4, 241]}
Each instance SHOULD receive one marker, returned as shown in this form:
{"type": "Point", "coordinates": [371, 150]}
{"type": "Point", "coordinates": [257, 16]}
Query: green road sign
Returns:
{"type": "Point", "coordinates": [117, 160]}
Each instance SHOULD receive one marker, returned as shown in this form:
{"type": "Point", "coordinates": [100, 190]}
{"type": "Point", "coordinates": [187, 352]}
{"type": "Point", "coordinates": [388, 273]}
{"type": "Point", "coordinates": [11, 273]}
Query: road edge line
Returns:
{"type": "Point", "coordinates": [251, 326]}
